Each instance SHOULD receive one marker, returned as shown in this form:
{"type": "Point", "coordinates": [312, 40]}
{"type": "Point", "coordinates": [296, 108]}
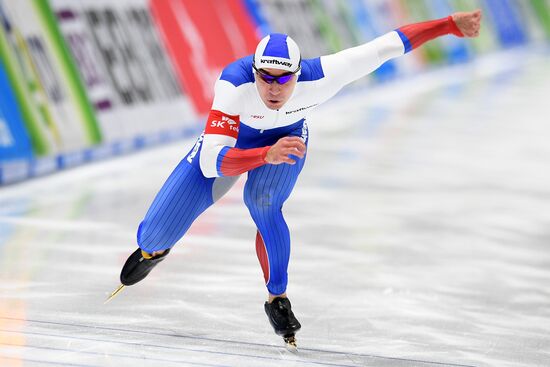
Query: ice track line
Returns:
{"type": "Point", "coordinates": [215, 340]}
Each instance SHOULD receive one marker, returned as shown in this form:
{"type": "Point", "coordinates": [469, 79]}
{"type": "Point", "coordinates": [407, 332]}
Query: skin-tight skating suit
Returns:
{"type": "Point", "coordinates": [238, 133]}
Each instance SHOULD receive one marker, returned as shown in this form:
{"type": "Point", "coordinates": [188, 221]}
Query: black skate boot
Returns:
{"type": "Point", "coordinates": [139, 265]}
{"type": "Point", "coordinates": [283, 320]}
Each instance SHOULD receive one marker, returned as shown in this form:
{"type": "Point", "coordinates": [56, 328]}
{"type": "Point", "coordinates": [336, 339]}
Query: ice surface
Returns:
{"type": "Point", "coordinates": [420, 229]}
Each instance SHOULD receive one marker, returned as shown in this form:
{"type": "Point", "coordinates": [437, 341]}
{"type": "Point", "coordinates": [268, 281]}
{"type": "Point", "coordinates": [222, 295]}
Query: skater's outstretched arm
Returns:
{"type": "Point", "coordinates": [351, 64]}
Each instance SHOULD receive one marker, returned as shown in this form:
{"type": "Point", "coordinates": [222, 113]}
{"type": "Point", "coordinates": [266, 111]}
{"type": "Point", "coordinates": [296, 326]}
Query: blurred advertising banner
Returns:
{"type": "Point", "coordinates": [29, 92]}
{"type": "Point", "coordinates": [541, 9]}
{"type": "Point", "coordinates": [129, 77]}
{"type": "Point", "coordinates": [15, 144]}
{"type": "Point", "coordinates": [202, 37]}
{"type": "Point", "coordinates": [505, 19]}
{"type": "Point", "coordinates": [300, 21]}
{"type": "Point", "coordinates": [48, 89]}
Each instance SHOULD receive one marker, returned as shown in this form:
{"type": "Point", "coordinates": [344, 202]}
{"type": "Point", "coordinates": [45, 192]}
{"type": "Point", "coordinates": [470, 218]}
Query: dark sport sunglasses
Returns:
{"type": "Point", "coordinates": [270, 79]}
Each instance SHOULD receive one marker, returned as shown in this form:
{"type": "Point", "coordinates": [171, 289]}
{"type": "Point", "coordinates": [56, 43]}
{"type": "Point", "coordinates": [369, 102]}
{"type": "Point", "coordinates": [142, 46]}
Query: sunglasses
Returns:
{"type": "Point", "coordinates": [270, 79]}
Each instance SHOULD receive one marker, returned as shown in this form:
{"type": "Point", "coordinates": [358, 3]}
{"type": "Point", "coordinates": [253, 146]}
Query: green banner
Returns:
{"type": "Point", "coordinates": [74, 83]}
{"type": "Point", "coordinates": [30, 96]}
{"type": "Point", "coordinates": [542, 9]}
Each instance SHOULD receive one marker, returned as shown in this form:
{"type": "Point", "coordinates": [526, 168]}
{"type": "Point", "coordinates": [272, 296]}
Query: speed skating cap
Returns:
{"type": "Point", "coordinates": [277, 51]}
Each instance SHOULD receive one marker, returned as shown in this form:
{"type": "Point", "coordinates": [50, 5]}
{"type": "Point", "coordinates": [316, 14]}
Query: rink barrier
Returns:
{"type": "Point", "coordinates": [14, 171]}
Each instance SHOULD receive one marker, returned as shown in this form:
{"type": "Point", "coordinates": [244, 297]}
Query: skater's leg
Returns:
{"type": "Point", "coordinates": [266, 189]}
{"type": "Point", "coordinates": [183, 197]}
{"type": "Point", "coordinates": [273, 248]}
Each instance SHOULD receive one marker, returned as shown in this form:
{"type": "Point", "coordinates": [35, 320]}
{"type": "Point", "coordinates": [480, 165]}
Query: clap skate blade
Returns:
{"type": "Point", "coordinates": [115, 292]}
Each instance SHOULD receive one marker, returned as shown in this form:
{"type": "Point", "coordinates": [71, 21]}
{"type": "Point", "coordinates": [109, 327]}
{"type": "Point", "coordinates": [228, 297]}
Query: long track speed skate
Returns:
{"type": "Point", "coordinates": [136, 268]}
{"type": "Point", "coordinates": [285, 324]}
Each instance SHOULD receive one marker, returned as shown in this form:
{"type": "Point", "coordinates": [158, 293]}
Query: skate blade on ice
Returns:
{"type": "Point", "coordinates": [290, 344]}
{"type": "Point", "coordinates": [115, 292]}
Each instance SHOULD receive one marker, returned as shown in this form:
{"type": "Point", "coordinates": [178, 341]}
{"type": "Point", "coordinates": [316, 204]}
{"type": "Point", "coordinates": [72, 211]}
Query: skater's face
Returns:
{"type": "Point", "coordinates": [275, 92]}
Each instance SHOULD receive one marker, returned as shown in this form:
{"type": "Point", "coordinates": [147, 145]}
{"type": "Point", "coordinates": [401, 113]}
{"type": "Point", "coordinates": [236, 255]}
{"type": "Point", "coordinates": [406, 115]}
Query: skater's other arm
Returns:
{"type": "Point", "coordinates": [221, 132]}
{"type": "Point", "coordinates": [351, 64]}
{"type": "Point", "coordinates": [219, 157]}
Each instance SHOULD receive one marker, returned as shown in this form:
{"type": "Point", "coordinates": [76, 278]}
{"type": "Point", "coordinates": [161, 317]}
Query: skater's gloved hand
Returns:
{"type": "Point", "coordinates": [468, 22]}
{"type": "Point", "coordinates": [280, 151]}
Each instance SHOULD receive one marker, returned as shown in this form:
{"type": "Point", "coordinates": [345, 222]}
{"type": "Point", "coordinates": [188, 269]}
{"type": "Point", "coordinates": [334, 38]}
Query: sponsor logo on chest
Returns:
{"type": "Point", "coordinates": [301, 109]}
{"type": "Point", "coordinates": [222, 124]}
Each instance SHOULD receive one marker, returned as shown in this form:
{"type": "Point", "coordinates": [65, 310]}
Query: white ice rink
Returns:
{"type": "Point", "coordinates": [420, 232]}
